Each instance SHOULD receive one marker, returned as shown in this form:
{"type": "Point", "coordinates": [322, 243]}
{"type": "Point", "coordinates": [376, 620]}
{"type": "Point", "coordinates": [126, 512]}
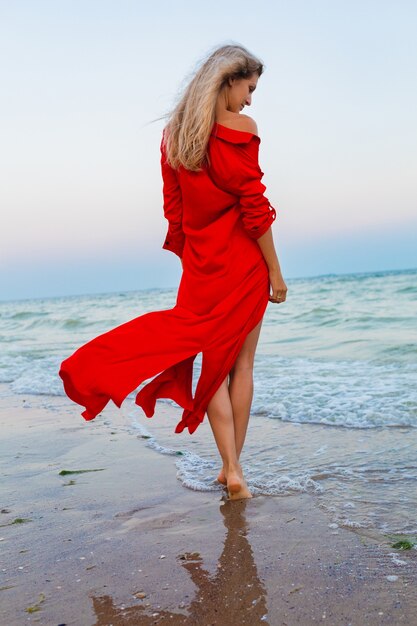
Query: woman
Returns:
{"type": "Point", "coordinates": [219, 224]}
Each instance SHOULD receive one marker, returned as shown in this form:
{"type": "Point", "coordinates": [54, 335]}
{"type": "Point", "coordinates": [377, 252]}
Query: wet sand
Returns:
{"type": "Point", "coordinates": [129, 545]}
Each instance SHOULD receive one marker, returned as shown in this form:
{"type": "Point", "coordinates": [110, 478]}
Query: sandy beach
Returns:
{"type": "Point", "coordinates": [127, 543]}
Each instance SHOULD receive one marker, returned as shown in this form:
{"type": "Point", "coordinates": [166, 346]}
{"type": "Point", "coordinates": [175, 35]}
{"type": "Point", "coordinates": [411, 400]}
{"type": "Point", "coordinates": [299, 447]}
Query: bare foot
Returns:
{"type": "Point", "coordinates": [240, 495]}
{"type": "Point", "coordinates": [236, 486]}
{"type": "Point", "coordinates": [222, 477]}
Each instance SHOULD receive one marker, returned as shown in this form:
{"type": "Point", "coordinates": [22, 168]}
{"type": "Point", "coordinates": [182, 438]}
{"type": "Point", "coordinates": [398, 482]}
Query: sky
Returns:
{"type": "Point", "coordinates": [83, 83]}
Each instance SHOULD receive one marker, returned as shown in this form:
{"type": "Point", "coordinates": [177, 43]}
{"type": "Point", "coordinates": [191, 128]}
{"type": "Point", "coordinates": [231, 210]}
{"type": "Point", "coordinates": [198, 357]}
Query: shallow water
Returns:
{"type": "Point", "coordinates": [335, 406]}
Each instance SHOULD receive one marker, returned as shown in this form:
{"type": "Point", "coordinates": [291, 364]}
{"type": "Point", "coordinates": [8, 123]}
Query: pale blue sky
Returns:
{"type": "Point", "coordinates": [81, 80]}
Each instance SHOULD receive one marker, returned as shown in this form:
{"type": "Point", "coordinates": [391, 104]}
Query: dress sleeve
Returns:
{"type": "Point", "coordinates": [241, 175]}
{"type": "Point", "coordinates": [172, 203]}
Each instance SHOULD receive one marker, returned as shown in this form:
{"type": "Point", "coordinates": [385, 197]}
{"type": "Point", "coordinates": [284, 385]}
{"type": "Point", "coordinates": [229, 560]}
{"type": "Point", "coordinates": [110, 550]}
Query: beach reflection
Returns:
{"type": "Point", "coordinates": [234, 594]}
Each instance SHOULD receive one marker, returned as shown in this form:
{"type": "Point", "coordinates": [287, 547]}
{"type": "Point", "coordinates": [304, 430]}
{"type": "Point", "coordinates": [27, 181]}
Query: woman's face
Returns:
{"type": "Point", "coordinates": [240, 92]}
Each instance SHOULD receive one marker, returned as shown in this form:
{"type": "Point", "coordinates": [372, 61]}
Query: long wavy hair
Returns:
{"type": "Point", "coordinates": [189, 125]}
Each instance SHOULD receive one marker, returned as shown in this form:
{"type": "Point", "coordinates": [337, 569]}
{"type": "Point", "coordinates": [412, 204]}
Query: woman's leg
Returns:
{"type": "Point", "coordinates": [241, 391]}
{"type": "Point", "coordinates": [220, 415]}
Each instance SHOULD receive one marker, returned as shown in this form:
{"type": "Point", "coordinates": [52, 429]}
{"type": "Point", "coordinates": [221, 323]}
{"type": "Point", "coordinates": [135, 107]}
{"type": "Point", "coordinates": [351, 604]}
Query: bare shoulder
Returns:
{"type": "Point", "coordinates": [247, 124]}
{"type": "Point", "coordinates": [240, 122]}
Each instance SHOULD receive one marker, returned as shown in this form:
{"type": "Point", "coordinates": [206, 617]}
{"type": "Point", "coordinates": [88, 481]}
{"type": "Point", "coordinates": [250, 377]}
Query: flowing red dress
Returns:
{"type": "Point", "coordinates": [214, 216]}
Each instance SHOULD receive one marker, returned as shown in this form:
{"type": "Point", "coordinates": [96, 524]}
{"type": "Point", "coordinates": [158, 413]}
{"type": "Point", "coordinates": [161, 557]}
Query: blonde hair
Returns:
{"type": "Point", "coordinates": [189, 125]}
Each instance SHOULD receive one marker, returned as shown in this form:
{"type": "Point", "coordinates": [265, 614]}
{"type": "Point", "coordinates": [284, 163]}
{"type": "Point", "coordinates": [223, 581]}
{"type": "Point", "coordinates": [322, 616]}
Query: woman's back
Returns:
{"type": "Point", "coordinates": [218, 208]}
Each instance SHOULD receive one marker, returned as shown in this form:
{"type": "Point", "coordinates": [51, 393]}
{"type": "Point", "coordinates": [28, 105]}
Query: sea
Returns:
{"type": "Point", "coordinates": [335, 399]}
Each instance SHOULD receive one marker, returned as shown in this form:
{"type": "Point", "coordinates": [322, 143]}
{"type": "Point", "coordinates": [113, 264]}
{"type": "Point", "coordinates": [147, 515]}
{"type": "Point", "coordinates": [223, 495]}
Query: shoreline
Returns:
{"type": "Point", "coordinates": [129, 544]}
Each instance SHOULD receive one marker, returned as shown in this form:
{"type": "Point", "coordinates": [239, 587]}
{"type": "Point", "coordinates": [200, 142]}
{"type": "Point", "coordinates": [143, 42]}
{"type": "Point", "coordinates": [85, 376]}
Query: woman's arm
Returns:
{"type": "Point", "coordinates": [258, 215]}
{"type": "Point", "coordinates": [266, 244]}
{"type": "Point", "coordinates": [278, 286]}
{"type": "Point", "coordinates": [238, 172]}
{"type": "Point", "coordinates": [172, 202]}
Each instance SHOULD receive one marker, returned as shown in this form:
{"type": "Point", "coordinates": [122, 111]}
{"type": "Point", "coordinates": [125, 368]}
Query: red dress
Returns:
{"type": "Point", "coordinates": [215, 217]}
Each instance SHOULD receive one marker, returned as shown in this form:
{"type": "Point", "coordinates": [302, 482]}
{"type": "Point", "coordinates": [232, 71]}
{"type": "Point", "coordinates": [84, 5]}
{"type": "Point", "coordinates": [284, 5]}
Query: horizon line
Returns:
{"type": "Point", "coordinates": [129, 291]}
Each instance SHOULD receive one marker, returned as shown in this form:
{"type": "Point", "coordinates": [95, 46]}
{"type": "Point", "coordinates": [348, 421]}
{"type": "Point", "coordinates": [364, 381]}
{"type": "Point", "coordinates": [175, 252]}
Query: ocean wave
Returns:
{"type": "Point", "coordinates": [199, 474]}
{"type": "Point", "coordinates": [339, 393]}
{"type": "Point", "coordinates": [305, 391]}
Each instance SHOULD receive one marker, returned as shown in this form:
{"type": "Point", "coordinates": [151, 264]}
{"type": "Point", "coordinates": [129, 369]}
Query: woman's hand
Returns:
{"type": "Point", "coordinates": [278, 288]}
